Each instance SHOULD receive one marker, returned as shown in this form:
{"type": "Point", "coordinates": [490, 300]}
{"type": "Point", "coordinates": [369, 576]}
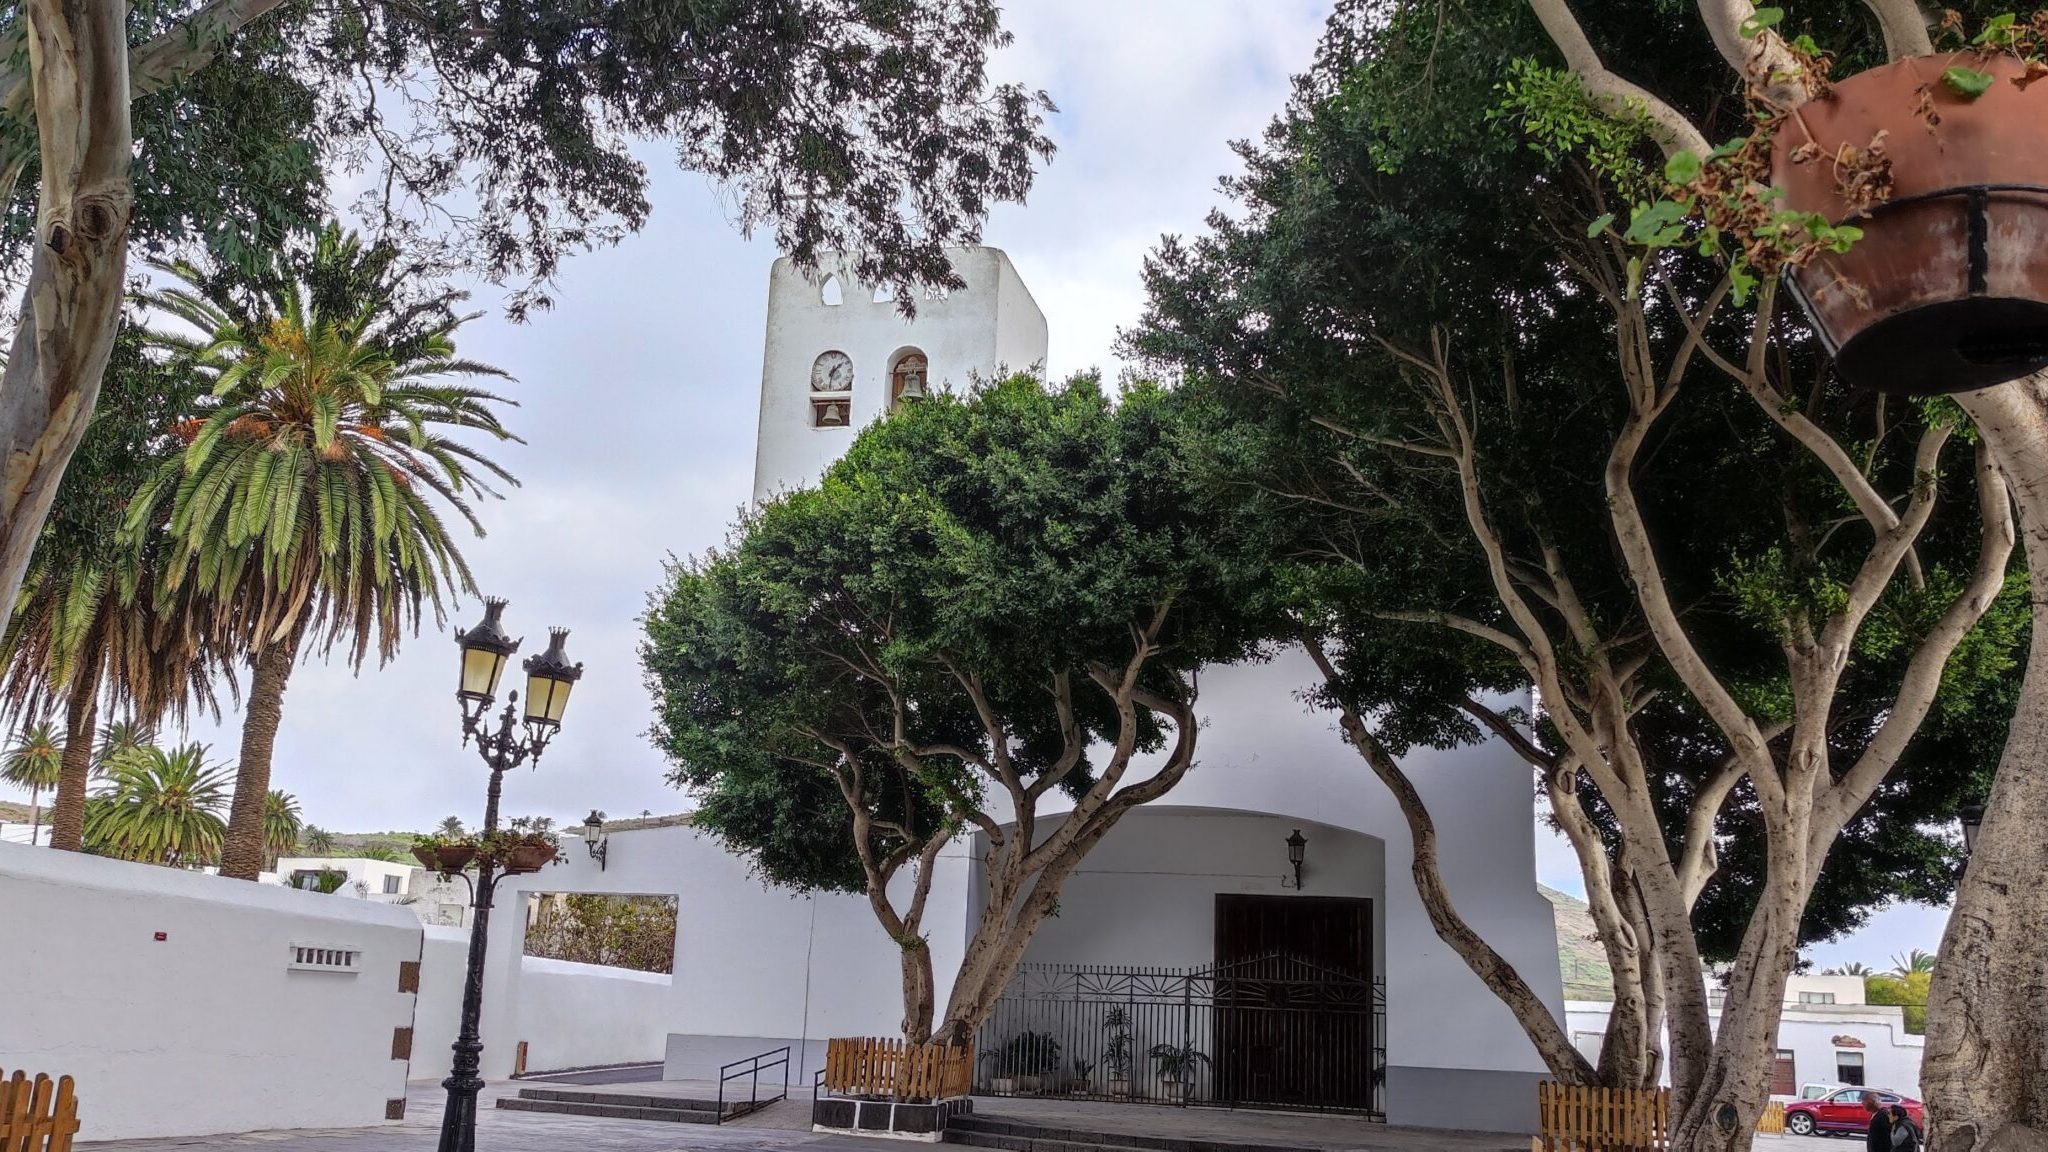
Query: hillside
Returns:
{"type": "Point", "coordinates": [1579, 956]}
{"type": "Point", "coordinates": [13, 813]}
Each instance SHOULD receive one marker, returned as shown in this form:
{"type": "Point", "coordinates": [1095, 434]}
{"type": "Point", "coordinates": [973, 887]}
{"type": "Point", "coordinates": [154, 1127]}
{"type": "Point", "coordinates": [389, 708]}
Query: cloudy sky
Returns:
{"type": "Point", "coordinates": [639, 395]}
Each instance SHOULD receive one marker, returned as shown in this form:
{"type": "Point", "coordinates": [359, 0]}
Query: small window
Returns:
{"type": "Point", "coordinates": [832, 293]}
{"type": "Point", "coordinates": [1849, 1070]}
{"type": "Point", "coordinates": [391, 885]}
{"type": "Point", "coordinates": [832, 390]}
{"type": "Point", "coordinates": [1816, 997]}
{"type": "Point", "coordinates": [909, 378]}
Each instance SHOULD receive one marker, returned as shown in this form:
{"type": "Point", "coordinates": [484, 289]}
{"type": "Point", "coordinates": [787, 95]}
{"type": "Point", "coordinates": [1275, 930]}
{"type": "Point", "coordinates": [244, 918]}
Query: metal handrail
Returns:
{"type": "Point", "coordinates": [753, 1066]}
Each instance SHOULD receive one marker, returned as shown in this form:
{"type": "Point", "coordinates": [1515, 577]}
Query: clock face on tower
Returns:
{"type": "Point", "coordinates": [832, 372]}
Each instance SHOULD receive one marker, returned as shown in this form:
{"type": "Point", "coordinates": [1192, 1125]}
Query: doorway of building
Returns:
{"type": "Point", "coordinates": [1297, 1020]}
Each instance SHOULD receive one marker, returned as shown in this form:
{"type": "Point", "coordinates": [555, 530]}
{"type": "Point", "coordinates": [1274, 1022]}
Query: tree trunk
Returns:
{"type": "Point", "coordinates": [1985, 1075]}
{"type": "Point", "coordinates": [1721, 1113]}
{"type": "Point", "coordinates": [917, 992]}
{"type": "Point", "coordinates": [241, 856]}
{"type": "Point", "coordinates": [35, 815]}
{"type": "Point", "coordinates": [81, 725]}
{"type": "Point", "coordinates": [78, 61]}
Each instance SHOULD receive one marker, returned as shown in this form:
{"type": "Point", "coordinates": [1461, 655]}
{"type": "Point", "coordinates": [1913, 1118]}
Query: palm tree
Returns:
{"type": "Point", "coordinates": [84, 627]}
{"type": "Point", "coordinates": [120, 737]}
{"type": "Point", "coordinates": [319, 841]}
{"type": "Point", "coordinates": [1918, 960]}
{"type": "Point", "coordinates": [35, 762]}
{"type": "Point", "coordinates": [450, 826]}
{"type": "Point", "coordinates": [304, 505]}
{"type": "Point", "coordinates": [281, 825]}
{"type": "Point", "coordinates": [1852, 968]}
{"type": "Point", "coordinates": [160, 807]}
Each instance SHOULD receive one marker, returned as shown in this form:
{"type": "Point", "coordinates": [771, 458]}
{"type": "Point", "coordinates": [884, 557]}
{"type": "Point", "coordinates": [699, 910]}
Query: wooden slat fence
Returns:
{"type": "Point", "coordinates": [1578, 1118]}
{"type": "Point", "coordinates": [867, 1066]}
{"type": "Point", "coordinates": [1772, 1122]}
{"type": "Point", "coordinates": [39, 1115]}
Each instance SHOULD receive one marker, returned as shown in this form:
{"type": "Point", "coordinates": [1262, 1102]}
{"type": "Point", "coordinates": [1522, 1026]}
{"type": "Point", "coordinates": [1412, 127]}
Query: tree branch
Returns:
{"type": "Point", "coordinates": [1904, 26]}
{"type": "Point", "coordinates": [1618, 97]}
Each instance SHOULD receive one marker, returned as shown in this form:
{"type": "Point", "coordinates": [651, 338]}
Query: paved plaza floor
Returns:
{"type": "Point", "coordinates": [787, 1126]}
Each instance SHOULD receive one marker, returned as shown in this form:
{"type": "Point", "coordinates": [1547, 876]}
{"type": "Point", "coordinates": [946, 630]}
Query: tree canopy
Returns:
{"type": "Point", "coordinates": [991, 599]}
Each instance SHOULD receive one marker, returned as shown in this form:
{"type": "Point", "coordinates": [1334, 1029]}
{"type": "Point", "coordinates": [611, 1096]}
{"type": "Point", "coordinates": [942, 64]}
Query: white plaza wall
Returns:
{"type": "Point", "coordinates": [990, 324]}
{"type": "Point", "coordinates": [439, 1016]}
{"type": "Point", "coordinates": [569, 1015]}
{"type": "Point", "coordinates": [756, 967]}
{"type": "Point", "coordinates": [168, 996]}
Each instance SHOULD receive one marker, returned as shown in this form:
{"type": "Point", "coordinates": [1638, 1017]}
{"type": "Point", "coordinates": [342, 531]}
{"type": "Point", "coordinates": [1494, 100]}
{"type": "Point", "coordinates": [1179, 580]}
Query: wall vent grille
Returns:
{"type": "Point", "coordinates": [325, 958]}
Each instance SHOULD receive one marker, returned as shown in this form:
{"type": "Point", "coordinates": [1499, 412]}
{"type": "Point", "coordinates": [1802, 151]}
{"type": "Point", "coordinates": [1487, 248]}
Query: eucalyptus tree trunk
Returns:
{"type": "Point", "coordinates": [1985, 1072]}
{"type": "Point", "coordinates": [241, 855]}
{"type": "Point", "coordinates": [81, 725]}
{"type": "Point", "coordinates": [78, 64]}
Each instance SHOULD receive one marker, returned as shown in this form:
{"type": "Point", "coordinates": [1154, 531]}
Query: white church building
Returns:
{"type": "Point", "coordinates": [1328, 991]}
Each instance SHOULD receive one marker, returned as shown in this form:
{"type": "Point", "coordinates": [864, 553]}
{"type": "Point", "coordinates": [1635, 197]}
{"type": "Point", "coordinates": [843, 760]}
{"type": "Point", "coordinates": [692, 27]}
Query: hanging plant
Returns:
{"type": "Point", "coordinates": [1904, 206]}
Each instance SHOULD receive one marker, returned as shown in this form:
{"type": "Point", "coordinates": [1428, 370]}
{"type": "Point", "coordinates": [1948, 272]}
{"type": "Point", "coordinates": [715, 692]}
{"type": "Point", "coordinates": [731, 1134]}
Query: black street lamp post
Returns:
{"type": "Point", "coordinates": [549, 677]}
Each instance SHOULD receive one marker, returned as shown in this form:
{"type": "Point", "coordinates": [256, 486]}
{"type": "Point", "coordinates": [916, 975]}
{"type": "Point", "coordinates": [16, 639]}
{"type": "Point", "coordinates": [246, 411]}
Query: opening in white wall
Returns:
{"type": "Point", "coordinates": [1849, 1068]}
{"type": "Point", "coordinates": [908, 377]}
{"type": "Point", "coordinates": [832, 293]}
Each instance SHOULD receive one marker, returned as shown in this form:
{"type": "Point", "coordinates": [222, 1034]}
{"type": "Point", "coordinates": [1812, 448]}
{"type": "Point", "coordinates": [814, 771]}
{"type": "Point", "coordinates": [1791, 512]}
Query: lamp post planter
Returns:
{"type": "Point", "coordinates": [1944, 291]}
{"type": "Point", "coordinates": [445, 855]}
{"type": "Point", "coordinates": [520, 850]}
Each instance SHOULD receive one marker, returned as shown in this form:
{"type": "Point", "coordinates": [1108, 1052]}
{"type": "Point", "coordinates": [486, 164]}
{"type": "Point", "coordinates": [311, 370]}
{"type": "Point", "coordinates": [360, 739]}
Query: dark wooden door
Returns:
{"type": "Point", "coordinates": [1296, 1019]}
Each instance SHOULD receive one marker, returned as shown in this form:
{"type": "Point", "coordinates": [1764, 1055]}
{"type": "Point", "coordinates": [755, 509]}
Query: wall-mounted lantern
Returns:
{"type": "Point", "coordinates": [1973, 819]}
{"type": "Point", "coordinates": [1297, 852]}
{"type": "Point", "coordinates": [593, 832]}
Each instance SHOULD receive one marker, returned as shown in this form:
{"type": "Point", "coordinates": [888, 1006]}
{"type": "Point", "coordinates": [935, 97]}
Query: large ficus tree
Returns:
{"type": "Point", "coordinates": [1529, 450]}
{"type": "Point", "coordinates": [988, 618]}
{"type": "Point", "coordinates": [498, 130]}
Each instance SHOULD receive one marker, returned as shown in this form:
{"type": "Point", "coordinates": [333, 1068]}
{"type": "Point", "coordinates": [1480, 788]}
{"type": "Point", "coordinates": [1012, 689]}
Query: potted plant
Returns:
{"type": "Point", "coordinates": [1179, 1064]}
{"type": "Point", "coordinates": [527, 845]}
{"type": "Point", "coordinates": [444, 854]}
{"type": "Point", "coordinates": [1030, 1058]}
{"type": "Point", "coordinates": [1083, 1079]}
{"type": "Point", "coordinates": [1002, 1081]}
{"type": "Point", "coordinates": [1116, 1054]}
{"type": "Point", "coordinates": [1939, 293]}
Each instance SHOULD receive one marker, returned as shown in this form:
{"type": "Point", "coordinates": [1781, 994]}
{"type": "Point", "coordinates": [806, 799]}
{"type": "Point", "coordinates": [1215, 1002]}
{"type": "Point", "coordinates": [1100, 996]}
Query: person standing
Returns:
{"type": "Point", "coordinates": [1905, 1136]}
{"type": "Point", "coordinates": [1880, 1132]}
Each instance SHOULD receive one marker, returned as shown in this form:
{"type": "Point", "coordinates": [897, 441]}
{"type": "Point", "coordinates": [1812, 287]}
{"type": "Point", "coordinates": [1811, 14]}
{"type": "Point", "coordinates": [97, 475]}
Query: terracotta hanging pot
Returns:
{"type": "Point", "coordinates": [448, 858]}
{"type": "Point", "coordinates": [1947, 291]}
{"type": "Point", "coordinates": [521, 859]}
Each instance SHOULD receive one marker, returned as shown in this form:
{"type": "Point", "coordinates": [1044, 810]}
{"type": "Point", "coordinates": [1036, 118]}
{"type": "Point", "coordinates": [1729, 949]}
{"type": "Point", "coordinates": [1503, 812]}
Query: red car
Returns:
{"type": "Point", "coordinates": [1843, 1112]}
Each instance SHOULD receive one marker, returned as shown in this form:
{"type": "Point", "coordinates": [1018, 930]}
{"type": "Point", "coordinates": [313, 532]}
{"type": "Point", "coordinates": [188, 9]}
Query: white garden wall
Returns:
{"type": "Point", "coordinates": [582, 1015]}
{"type": "Point", "coordinates": [569, 1015]}
{"type": "Point", "coordinates": [170, 998]}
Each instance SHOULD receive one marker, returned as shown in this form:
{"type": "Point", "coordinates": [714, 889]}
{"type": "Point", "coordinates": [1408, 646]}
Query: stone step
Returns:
{"type": "Point", "coordinates": [974, 1139]}
{"type": "Point", "coordinates": [572, 1095]}
{"type": "Point", "coordinates": [991, 1131]}
{"type": "Point", "coordinates": [612, 1111]}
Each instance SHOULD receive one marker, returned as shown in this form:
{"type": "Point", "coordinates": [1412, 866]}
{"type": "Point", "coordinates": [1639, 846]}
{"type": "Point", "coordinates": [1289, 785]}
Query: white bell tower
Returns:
{"type": "Point", "coordinates": [839, 355]}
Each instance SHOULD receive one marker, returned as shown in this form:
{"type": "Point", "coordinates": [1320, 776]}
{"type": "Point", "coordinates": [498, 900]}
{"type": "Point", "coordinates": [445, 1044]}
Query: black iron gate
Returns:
{"type": "Point", "coordinates": [1273, 1031]}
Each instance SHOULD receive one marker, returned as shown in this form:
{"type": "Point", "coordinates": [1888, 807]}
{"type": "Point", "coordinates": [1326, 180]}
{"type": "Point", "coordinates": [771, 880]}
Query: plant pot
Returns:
{"type": "Point", "coordinates": [1945, 292]}
{"type": "Point", "coordinates": [1030, 1085]}
{"type": "Point", "coordinates": [524, 858]}
{"type": "Point", "coordinates": [1174, 1090]}
{"type": "Point", "coordinates": [1119, 1086]}
{"type": "Point", "coordinates": [1003, 1085]}
{"type": "Point", "coordinates": [446, 860]}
